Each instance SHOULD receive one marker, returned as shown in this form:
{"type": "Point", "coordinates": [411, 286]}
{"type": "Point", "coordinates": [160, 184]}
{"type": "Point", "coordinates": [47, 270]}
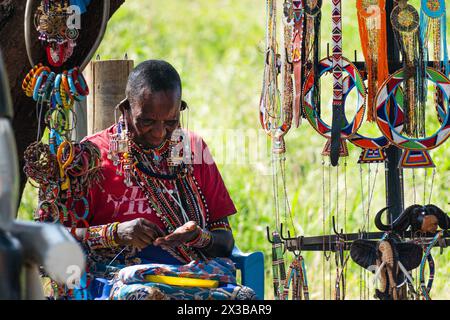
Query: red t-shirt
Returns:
{"type": "Point", "coordinates": [116, 202]}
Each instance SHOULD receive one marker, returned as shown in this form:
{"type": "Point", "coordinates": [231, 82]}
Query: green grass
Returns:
{"type": "Point", "coordinates": [218, 48]}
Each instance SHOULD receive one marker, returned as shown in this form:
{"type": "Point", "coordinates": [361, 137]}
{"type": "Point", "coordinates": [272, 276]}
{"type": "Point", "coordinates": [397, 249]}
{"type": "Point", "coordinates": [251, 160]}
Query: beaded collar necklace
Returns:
{"type": "Point", "coordinates": [150, 172]}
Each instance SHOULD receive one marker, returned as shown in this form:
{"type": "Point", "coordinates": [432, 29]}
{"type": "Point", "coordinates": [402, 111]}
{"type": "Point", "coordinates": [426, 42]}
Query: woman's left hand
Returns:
{"type": "Point", "coordinates": [187, 232]}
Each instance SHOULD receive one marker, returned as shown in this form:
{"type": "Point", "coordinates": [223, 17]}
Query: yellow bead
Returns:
{"type": "Point", "coordinates": [125, 155]}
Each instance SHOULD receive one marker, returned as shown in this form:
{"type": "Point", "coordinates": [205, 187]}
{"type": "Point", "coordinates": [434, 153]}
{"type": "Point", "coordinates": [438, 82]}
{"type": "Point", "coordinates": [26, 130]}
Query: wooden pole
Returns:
{"type": "Point", "coordinates": [107, 81]}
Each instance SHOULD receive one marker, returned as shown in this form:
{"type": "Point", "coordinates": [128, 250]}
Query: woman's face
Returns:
{"type": "Point", "coordinates": [154, 116]}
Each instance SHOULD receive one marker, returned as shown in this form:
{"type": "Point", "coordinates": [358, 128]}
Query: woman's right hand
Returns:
{"type": "Point", "coordinates": [138, 233]}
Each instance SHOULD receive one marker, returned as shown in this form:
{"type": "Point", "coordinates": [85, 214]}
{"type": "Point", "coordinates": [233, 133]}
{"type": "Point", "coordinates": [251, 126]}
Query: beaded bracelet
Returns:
{"type": "Point", "coordinates": [76, 83]}
{"type": "Point", "coordinates": [80, 82]}
{"type": "Point", "coordinates": [57, 86]}
{"type": "Point", "coordinates": [38, 84]}
{"type": "Point", "coordinates": [47, 88]}
{"type": "Point", "coordinates": [104, 236]}
{"type": "Point", "coordinates": [65, 84]}
{"type": "Point", "coordinates": [36, 76]}
{"type": "Point", "coordinates": [66, 98]}
{"type": "Point", "coordinates": [219, 225]}
{"type": "Point", "coordinates": [28, 81]}
{"type": "Point", "coordinates": [203, 240]}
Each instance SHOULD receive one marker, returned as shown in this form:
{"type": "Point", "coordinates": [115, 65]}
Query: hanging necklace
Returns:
{"type": "Point", "coordinates": [152, 169]}
{"type": "Point", "coordinates": [405, 22]}
{"type": "Point", "coordinates": [433, 34]}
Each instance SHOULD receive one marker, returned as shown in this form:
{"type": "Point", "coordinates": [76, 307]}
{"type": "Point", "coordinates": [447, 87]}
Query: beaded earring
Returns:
{"type": "Point", "coordinates": [179, 144]}
{"type": "Point", "coordinates": [119, 146]}
{"type": "Point", "coordinates": [114, 141]}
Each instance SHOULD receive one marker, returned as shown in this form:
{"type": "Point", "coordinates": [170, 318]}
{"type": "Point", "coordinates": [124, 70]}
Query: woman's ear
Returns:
{"type": "Point", "coordinates": [184, 105]}
{"type": "Point", "coordinates": [124, 105]}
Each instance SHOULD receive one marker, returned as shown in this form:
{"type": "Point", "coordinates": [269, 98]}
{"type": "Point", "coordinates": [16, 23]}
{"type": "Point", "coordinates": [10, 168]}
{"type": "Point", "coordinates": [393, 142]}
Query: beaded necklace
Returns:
{"type": "Point", "coordinates": [151, 170]}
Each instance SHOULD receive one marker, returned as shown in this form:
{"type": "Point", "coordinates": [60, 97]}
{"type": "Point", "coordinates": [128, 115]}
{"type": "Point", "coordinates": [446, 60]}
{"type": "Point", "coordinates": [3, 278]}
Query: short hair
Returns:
{"type": "Point", "coordinates": [154, 75]}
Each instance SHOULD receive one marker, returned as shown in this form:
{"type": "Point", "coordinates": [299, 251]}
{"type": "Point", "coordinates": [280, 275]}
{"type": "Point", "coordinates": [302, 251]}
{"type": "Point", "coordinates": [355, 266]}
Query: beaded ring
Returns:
{"type": "Point", "coordinates": [77, 84]}
{"type": "Point", "coordinates": [80, 83]}
{"type": "Point", "coordinates": [57, 89]}
{"type": "Point", "coordinates": [37, 93]}
{"type": "Point", "coordinates": [55, 139]}
{"type": "Point", "coordinates": [56, 119]}
{"type": "Point", "coordinates": [51, 214]}
{"type": "Point", "coordinates": [313, 117]}
{"type": "Point", "coordinates": [37, 74]}
{"type": "Point", "coordinates": [392, 130]}
{"type": "Point", "coordinates": [62, 153]}
{"type": "Point", "coordinates": [67, 101]}
{"type": "Point", "coordinates": [427, 288]}
{"type": "Point", "coordinates": [47, 88]}
{"type": "Point", "coordinates": [65, 84]}
{"type": "Point", "coordinates": [39, 163]}
{"type": "Point", "coordinates": [64, 163]}
{"type": "Point", "coordinates": [28, 81]}
{"type": "Point", "coordinates": [86, 209]}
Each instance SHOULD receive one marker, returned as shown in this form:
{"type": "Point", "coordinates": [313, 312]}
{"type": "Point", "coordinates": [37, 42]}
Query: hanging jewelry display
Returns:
{"type": "Point", "coordinates": [63, 170]}
{"type": "Point", "coordinates": [405, 22]}
{"type": "Point", "coordinates": [346, 131]}
{"type": "Point", "coordinates": [276, 113]}
{"type": "Point", "coordinates": [416, 150]}
{"type": "Point", "coordinates": [372, 31]}
{"type": "Point", "coordinates": [433, 34]}
{"type": "Point", "coordinates": [338, 65]}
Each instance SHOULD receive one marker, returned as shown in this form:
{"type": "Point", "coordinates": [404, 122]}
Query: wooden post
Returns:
{"type": "Point", "coordinates": [107, 81]}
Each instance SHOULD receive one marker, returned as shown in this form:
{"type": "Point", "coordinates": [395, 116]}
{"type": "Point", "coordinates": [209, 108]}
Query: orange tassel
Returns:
{"type": "Point", "coordinates": [372, 31]}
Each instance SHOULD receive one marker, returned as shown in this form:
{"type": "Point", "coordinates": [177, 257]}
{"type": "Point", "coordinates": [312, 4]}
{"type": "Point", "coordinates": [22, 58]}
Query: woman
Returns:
{"type": "Point", "coordinates": [162, 200]}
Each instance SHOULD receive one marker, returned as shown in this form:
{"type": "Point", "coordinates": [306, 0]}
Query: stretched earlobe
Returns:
{"type": "Point", "coordinates": [184, 105]}
{"type": "Point", "coordinates": [123, 105]}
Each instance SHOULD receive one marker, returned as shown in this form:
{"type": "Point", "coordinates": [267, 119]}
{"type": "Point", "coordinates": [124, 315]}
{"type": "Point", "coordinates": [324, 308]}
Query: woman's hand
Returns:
{"type": "Point", "coordinates": [187, 232]}
{"type": "Point", "coordinates": [138, 233]}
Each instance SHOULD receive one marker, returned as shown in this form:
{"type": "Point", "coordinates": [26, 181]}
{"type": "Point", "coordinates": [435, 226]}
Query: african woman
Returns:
{"type": "Point", "coordinates": [162, 207]}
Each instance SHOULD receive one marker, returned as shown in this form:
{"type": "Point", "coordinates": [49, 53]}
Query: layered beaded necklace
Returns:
{"type": "Point", "coordinates": [170, 187]}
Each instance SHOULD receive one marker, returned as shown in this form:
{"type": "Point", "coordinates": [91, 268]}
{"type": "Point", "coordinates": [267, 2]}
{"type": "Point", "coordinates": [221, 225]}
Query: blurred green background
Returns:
{"type": "Point", "coordinates": [218, 48]}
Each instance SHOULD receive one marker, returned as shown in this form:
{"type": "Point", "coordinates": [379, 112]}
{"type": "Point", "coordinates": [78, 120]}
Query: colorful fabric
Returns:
{"type": "Point", "coordinates": [130, 283]}
{"type": "Point", "coordinates": [116, 202]}
{"type": "Point", "coordinates": [159, 291]}
{"type": "Point", "coordinates": [219, 269]}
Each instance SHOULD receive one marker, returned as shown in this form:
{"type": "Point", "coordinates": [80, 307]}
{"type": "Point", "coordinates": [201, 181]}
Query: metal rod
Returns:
{"type": "Point", "coordinates": [394, 182]}
{"type": "Point", "coordinates": [27, 26]}
{"type": "Point", "coordinates": [328, 242]}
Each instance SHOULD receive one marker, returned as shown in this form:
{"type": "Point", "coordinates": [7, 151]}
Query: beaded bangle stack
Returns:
{"type": "Point", "coordinates": [203, 240]}
{"type": "Point", "coordinates": [104, 236]}
{"type": "Point", "coordinates": [64, 88]}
